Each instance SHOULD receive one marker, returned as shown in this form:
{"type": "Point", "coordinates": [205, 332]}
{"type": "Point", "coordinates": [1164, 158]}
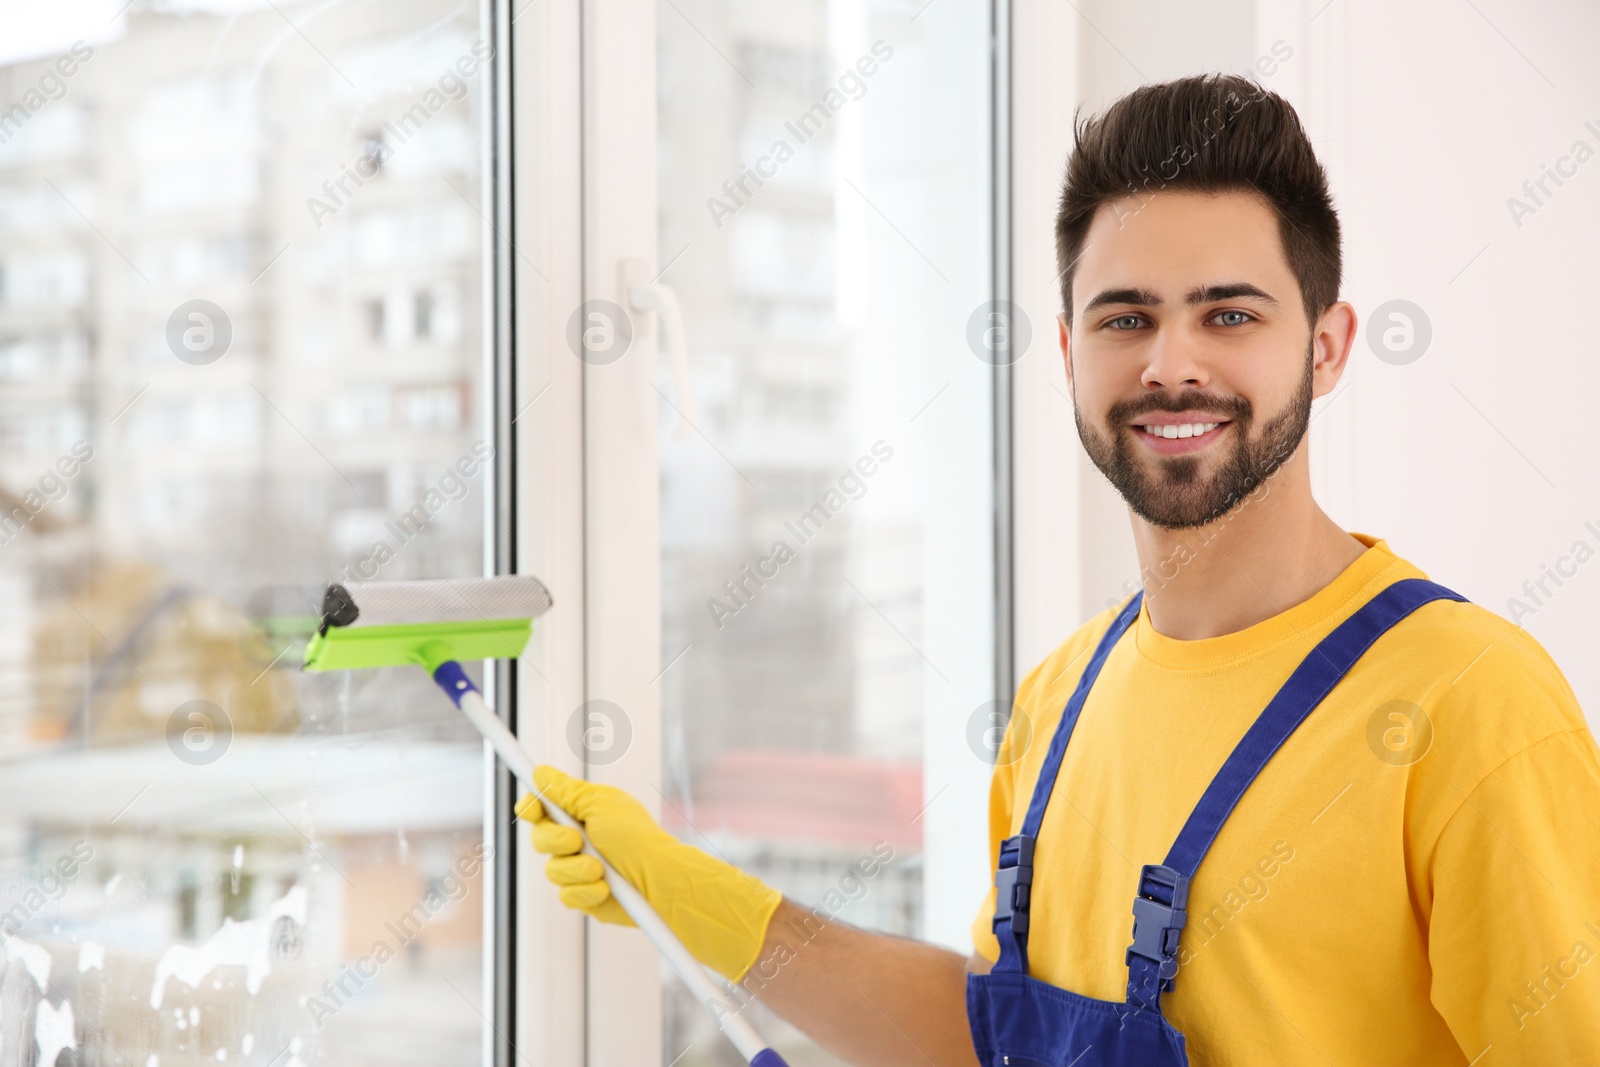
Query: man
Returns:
{"type": "Point", "coordinates": [1398, 862]}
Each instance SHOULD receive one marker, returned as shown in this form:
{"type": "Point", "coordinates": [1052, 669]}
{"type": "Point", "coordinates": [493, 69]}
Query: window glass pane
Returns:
{"type": "Point", "coordinates": [826, 526]}
{"type": "Point", "coordinates": [241, 356]}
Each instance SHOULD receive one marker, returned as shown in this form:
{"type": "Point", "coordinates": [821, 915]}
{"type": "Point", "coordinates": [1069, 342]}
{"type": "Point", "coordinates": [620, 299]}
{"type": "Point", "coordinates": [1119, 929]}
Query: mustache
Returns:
{"type": "Point", "coordinates": [1236, 408]}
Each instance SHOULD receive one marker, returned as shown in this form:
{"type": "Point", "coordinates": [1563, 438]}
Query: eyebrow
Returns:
{"type": "Point", "coordinates": [1230, 291]}
{"type": "Point", "coordinates": [1204, 294]}
{"type": "Point", "coordinates": [1140, 297]}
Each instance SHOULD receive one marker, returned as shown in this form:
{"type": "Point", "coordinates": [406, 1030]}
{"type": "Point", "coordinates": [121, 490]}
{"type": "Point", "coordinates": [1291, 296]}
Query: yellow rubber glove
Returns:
{"type": "Point", "coordinates": [719, 912]}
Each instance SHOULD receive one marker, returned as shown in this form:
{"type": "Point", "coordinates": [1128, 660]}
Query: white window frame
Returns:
{"type": "Point", "coordinates": [585, 477]}
{"type": "Point", "coordinates": [537, 947]}
{"type": "Point", "coordinates": [585, 491]}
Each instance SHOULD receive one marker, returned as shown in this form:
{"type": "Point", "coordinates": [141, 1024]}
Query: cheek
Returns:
{"type": "Point", "coordinates": [1102, 376]}
{"type": "Point", "coordinates": [1268, 372]}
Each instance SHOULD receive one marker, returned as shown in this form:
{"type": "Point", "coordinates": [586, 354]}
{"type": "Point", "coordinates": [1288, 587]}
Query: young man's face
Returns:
{"type": "Point", "coordinates": [1188, 320]}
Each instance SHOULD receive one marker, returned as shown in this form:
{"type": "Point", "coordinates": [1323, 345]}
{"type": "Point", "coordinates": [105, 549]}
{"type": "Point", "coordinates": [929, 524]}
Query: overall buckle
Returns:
{"type": "Point", "coordinates": [1159, 915]}
{"type": "Point", "coordinates": [1013, 881]}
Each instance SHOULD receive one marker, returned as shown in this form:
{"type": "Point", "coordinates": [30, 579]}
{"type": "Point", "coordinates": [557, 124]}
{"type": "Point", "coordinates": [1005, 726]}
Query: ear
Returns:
{"type": "Point", "coordinates": [1064, 339]}
{"type": "Point", "coordinates": [1334, 333]}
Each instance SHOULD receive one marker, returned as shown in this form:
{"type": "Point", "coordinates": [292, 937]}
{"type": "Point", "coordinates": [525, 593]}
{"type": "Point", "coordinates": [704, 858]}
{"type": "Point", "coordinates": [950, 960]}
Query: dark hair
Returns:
{"type": "Point", "coordinates": [1208, 133]}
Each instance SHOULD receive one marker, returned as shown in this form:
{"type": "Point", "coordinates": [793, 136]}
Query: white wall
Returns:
{"type": "Point", "coordinates": [1430, 117]}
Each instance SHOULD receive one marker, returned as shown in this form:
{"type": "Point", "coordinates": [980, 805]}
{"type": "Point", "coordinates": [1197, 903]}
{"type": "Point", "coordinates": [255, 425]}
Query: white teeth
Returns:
{"type": "Point", "coordinates": [1187, 429]}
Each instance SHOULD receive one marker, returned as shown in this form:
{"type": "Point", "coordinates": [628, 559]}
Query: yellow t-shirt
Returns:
{"type": "Point", "coordinates": [1394, 888]}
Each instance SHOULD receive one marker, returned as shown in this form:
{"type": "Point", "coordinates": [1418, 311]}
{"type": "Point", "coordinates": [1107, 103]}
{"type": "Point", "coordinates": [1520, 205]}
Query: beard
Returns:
{"type": "Point", "coordinates": [1176, 496]}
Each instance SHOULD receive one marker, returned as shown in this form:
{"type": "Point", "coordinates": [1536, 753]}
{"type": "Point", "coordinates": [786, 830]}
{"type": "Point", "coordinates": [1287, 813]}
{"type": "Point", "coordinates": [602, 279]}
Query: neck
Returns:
{"type": "Point", "coordinates": [1274, 550]}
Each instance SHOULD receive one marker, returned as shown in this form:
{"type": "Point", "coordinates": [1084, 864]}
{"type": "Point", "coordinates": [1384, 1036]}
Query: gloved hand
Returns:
{"type": "Point", "coordinates": [719, 912]}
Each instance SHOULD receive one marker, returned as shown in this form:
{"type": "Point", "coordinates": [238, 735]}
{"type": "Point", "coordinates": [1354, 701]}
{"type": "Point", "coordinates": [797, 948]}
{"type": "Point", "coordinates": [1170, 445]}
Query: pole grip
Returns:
{"type": "Point", "coordinates": [744, 1037]}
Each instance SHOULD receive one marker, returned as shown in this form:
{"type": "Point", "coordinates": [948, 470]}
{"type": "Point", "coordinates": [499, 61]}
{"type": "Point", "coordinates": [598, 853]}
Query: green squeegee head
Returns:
{"type": "Point", "coordinates": [384, 624]}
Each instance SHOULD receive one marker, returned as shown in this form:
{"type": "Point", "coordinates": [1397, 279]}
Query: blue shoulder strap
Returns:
{"type": "Point", "coordinates": [1161, 907]}
{"type": "Point", "coordinates": [1014, 878]}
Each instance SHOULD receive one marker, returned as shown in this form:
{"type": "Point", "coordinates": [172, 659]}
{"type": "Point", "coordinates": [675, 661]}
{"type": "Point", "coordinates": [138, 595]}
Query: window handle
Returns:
{"type": "Point", "coordinates": [663, 300]}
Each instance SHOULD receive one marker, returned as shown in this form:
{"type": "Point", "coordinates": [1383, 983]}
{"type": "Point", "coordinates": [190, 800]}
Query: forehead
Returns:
{"type": "Point", "coordinates": [1171, 242]}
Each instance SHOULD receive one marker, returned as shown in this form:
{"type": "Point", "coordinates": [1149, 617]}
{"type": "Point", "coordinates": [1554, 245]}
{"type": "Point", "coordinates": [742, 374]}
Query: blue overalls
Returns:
{"type": "Point", "coordinates": [1019, 1021]}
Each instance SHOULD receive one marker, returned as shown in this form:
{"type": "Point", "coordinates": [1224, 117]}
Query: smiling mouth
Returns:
{"type": "Point", "coordinates": [1178, 431]}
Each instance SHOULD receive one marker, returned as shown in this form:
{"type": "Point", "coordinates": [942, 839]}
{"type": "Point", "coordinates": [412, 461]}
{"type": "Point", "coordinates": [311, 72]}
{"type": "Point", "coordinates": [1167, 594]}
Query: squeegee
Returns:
{"type": "Point", "coordinates": [437, 623]}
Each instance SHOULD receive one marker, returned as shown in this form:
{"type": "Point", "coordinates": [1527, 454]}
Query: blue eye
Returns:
{"type": "Point", "coordinates": [1244, 317]}
{"type": "Point", "coordinates": [1129, 322]}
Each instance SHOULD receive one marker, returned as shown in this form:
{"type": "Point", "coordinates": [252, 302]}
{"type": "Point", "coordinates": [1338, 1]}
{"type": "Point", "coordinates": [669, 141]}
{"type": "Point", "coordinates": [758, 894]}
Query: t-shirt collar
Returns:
{"type": "Point", "coordinates": [1305, 622]}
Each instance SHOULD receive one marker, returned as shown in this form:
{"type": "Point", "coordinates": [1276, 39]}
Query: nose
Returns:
{"type": "Point", "coordinates": [1173, 360]}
